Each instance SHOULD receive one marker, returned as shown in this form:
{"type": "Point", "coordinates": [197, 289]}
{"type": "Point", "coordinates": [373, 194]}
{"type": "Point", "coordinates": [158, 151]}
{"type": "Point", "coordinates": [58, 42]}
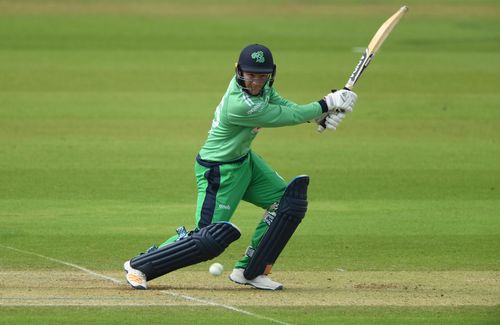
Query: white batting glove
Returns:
{"type": "Point", "coordinates": [342, 100]}
{"type": "Point", "coordinates": [333, 120]}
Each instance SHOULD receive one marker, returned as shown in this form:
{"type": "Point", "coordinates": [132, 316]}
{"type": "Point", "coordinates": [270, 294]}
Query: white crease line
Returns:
{"type": "Point", "coordinates": [66, 263]}
{"type": "Point", "coordinates": [189, 298]}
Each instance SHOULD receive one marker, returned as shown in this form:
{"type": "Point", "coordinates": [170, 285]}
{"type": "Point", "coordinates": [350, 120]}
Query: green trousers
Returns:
{"type": "Point", "coordinates": [222, 186]}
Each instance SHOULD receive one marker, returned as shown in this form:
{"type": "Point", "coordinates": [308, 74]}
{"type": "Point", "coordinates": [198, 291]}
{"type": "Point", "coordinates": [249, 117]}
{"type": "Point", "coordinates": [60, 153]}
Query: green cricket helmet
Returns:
{"type": "Point", "coordinates": [255, 58]}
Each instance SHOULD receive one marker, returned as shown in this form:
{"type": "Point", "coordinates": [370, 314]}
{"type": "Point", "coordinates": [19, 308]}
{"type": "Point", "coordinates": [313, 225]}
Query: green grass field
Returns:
{"type": "Point", "coordinates": [105, 104]}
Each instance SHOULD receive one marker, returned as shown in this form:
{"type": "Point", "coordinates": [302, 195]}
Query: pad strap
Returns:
{"type": "Point", "coordinates": [201, 245]}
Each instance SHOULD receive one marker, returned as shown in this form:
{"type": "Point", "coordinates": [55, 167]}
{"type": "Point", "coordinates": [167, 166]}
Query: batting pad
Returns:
{"type": "Point", "coordinates": [291, 210]}
{"type": "Point", "coordinates": [201, 245]}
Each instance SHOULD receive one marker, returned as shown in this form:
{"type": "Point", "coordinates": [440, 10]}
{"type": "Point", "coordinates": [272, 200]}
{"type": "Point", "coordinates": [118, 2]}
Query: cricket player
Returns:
{"type": "Point", "coordinates": [228, 171]}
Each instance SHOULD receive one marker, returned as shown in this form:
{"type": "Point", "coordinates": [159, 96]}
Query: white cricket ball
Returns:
{"type": "Point", "coordinates": [216, 269]}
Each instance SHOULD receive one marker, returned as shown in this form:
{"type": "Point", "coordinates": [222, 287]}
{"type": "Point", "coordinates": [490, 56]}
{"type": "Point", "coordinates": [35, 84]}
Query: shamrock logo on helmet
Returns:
{"type": "Point", "coordinates": [258, 57]}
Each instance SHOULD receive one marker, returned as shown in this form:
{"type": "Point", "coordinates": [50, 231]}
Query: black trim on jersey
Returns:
{"type": "Point", "coordinates": [210, 164]}
{"type": "Point", "coordinates": [213, 177]}
{"type": "Point", "coordinates": [207, 209]}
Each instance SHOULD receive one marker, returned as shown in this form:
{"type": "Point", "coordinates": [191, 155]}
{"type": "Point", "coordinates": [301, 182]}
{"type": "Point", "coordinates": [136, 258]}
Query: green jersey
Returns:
{"type": "Point", "coordinates": [239, 117]}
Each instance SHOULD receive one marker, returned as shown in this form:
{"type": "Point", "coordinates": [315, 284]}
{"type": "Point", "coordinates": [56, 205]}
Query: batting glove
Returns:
{"type": "Point", "coordinates": [331, 122]}
{"type": "Point", "coordinates": [341, 101]}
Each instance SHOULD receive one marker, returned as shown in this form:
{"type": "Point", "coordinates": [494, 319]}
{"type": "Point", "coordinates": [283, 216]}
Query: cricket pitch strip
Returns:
{"type": "Point", "coordinates": [73, 288]}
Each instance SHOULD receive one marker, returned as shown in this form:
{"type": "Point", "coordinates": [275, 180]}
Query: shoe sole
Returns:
{"type": "Point", "coordinates": [138, 287]}
{"type": "Point", "coordinates": [250, 284]}
{"type": "Point", "coordinates": [268, 289]}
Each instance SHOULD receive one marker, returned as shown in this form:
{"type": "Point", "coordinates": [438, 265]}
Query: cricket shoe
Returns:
{"type": "Point", "coordinates": [262, 282]}
{"type": "Point", "coordinates": [134, 277]}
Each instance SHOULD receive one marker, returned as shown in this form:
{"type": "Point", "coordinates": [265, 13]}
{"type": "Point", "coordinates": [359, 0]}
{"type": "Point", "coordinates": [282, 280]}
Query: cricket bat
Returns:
{"type": "Point", "coordinates": [374, 45]}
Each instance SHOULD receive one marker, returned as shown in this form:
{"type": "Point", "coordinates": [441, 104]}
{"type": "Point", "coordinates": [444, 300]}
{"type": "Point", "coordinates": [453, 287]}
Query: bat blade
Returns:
{"type": "Point", "coordinates": [374, 45]}
{"type": "Point", "coordinates": [367, 57]}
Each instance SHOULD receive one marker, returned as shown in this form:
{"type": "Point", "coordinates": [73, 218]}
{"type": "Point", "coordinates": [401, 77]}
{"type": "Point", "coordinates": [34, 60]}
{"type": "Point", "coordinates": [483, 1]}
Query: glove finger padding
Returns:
{"type": "Point", "coordinates": [348, 109]}
{"type": "Point", "coordinates": [333, 120]}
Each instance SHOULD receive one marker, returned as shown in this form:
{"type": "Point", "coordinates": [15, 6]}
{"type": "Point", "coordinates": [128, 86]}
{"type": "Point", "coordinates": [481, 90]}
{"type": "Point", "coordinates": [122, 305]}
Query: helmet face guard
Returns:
{"type": "Point", "coordinates": [258, 59]}
{"type": "Point", "coordinates": [241, 79]}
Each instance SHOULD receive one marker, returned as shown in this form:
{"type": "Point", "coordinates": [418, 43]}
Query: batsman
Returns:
{"type": "Point", "coordinates": [228, 171]}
